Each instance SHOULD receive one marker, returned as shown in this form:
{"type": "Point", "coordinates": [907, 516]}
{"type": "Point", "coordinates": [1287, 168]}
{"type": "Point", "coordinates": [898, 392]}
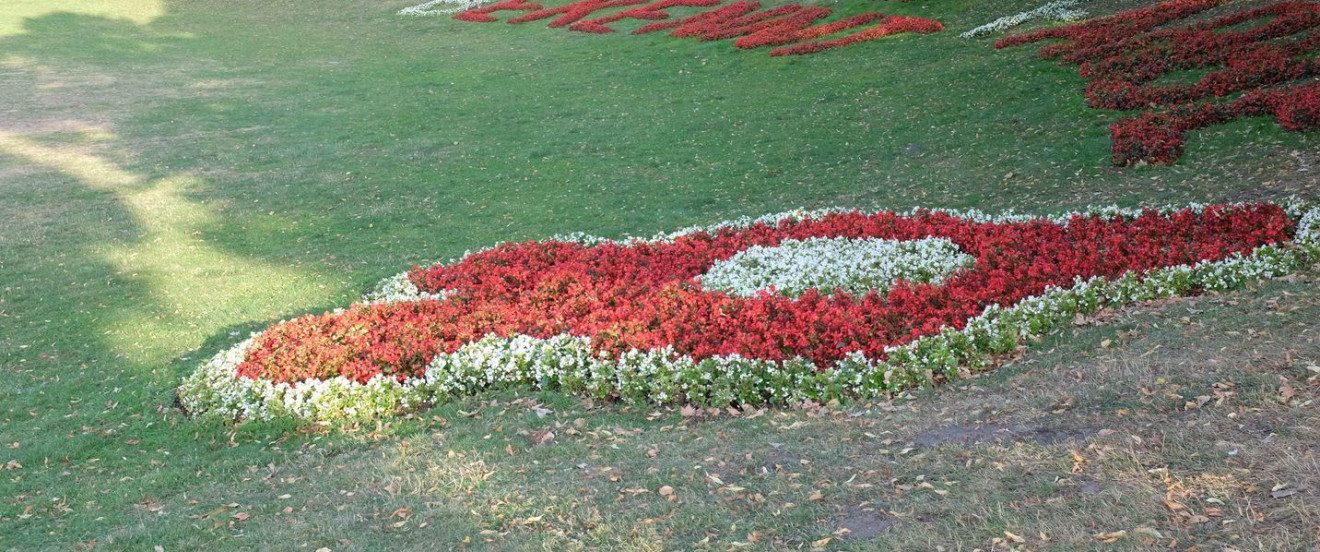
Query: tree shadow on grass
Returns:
{"type": "Point", "coordinates": [108, 280]}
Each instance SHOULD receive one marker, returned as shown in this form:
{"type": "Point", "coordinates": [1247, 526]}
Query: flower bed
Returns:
{"type": "Point", "coordinates": [1059, 10]}
{"type": "Point", "coordinates": [1123, 56]}
{"type": "Point", "coordinates": [431, 7]}
{"type": "Point", "coordinates": [789, 24]}
{"type": "Point", "coordinates": [632, 320]}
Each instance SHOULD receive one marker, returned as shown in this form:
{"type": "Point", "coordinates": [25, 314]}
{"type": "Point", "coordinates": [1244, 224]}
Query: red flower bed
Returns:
{"type": "Point", "coordinates": [643, 295]}
{"type": "Point", "coordinates": [1122, 56]}
{"type": "Point", "coordinates": [570, 13]}
{"type": "Point", "coordinates": [777, 36]}
{"type": "Point", "coordinates": [695, 22]}
{"type": "Point", "coordinates": [483, 15]}
{"type": "Point", "coordinates": [787, 24]}
{"type": "Point", "coordinates": [647, 12]}
{"type": "Point", "coordinates": [890, 26]}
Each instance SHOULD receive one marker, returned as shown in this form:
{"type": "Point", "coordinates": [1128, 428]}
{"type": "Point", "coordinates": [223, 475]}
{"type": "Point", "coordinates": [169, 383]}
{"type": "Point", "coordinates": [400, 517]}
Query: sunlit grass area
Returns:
{"type": "Point", "coordinates": [178, 174]}
{"type": "Point", "coordinates": [17, 12]}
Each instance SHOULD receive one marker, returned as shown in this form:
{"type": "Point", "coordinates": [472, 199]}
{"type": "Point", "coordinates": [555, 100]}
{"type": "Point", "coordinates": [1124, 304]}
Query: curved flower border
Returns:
{"type": "Point", "coordinates": [429, 8]}
{"type": "Point", "coordinates": [664, 377]}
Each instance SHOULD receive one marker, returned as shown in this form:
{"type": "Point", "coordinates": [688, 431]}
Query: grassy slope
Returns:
{"type": "Point", "coordinates": [178, 175]}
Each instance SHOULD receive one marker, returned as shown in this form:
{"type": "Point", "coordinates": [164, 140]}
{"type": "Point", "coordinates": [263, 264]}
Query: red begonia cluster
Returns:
{"type": "Point", "coordinates": [890, 26]}
{"type": "Point", "coordinates": [483, 15]}
{"type": "Point", "coordinates": [648, 12]}
{"type": "Point", "coordinates": [1123, 56]}
{"type": "Point", "coordinates": [645, 295]}
{"type": "Point", "coordinates": [789, 24]}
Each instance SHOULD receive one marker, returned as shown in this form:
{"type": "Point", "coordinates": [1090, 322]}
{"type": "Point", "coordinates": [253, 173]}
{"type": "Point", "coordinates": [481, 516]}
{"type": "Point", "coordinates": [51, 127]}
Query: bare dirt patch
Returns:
{"type": "Point", "coordinates": [865, 523]}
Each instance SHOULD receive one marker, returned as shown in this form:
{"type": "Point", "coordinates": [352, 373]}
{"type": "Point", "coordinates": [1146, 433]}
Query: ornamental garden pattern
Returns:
{"type": "Point", "coordinates": [632, 320]}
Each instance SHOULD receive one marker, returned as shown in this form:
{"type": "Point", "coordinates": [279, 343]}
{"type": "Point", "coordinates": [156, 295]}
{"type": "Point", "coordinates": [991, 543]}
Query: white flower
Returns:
{"type": "Point", "coordinates": [826, 264]}
{"type": "Point", "coordinates": [427, 8]}
{"type": "Point", "coordinates": [1059, 10]}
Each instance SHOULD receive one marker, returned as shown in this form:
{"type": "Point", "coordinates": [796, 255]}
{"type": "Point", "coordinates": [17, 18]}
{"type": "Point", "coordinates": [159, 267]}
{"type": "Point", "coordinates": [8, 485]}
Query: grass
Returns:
{"type": "Point", "coordinates": [177, 174]}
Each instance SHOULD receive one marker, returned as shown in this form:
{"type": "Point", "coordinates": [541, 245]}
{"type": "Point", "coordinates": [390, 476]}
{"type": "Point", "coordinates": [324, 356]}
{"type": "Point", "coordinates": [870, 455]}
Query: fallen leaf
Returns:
{"type": "Point", "coordinates": [1111, 537]}
{"type": "Point", "coordinates": [1148, 531]}
{"type": "Point", "coordinates": [240, 516]}
{"type": "Point", "coordinates": [1285, 493]}
{"type": "Point", "coordinates": [216, 511]}
{"type": "Point", "coordinates": [666, 490]}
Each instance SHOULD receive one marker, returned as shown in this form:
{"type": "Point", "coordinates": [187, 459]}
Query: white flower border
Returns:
{"type": "Point", "coordinates": [664, 377]}
{"type": "Point", "coordinates": [428, 8]}
{"type": "Point", "coordinates": [1060, 10]}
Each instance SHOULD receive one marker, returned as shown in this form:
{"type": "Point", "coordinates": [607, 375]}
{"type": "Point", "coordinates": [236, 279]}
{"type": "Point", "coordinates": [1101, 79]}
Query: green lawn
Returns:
{"type": "Point", "coordinates": [176, 174]}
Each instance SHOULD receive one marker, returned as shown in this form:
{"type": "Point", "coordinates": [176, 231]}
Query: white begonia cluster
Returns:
{"type": "Point", "coordinates": [1060, 10]}
{"type": "Point", "coordinates": [1307, 216]}
{"type": "Point", "coordinates": [664, 377]}
{"type": "Point", "coordinates": [825, 264]}
{"type": "Point", "coordinates": [398, 288]}
{"type": "Point", "coordinates": [429, 8]}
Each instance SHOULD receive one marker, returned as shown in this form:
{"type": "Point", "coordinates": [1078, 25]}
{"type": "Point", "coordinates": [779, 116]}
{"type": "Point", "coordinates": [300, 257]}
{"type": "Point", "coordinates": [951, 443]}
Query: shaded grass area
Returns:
{"type": "Point", "coordinates": [175, 176]}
